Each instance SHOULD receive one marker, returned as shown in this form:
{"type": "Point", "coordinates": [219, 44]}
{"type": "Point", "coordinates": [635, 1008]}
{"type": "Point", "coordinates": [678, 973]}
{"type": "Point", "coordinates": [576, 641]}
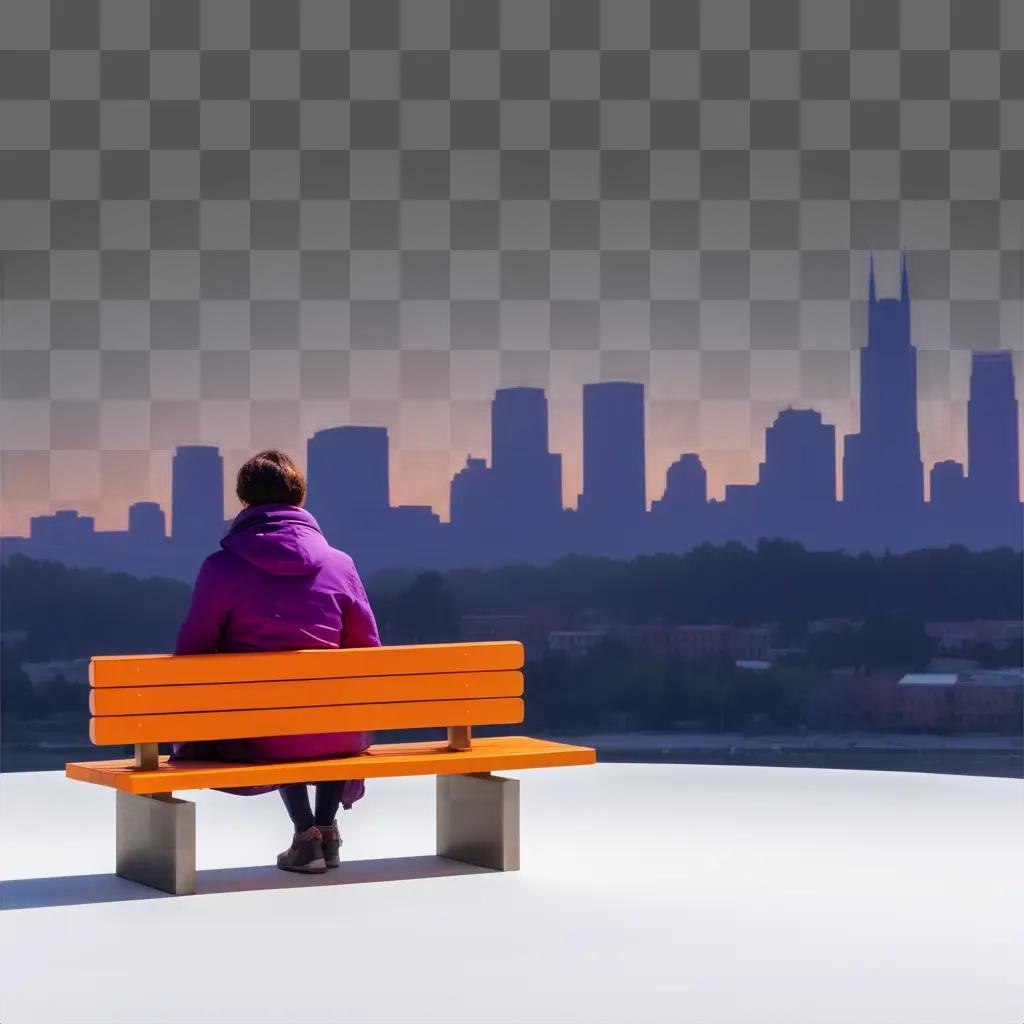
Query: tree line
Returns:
{"type": "Point", "coordinates": [52, 612]}
{"type": "Point", "coordinates": [778, 581]}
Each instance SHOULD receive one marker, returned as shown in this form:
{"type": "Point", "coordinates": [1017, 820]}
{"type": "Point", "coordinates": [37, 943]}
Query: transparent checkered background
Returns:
{"type": "Point", "coordinates": [239, 221]}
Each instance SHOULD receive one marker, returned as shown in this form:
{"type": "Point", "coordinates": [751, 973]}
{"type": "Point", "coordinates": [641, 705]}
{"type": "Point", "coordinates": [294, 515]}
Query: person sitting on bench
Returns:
{"type": "Point", "coordinates": [277, 585]}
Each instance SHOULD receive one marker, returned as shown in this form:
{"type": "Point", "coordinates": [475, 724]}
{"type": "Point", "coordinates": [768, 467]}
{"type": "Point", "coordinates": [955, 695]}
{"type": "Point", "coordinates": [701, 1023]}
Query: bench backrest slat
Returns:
{"type": "Point", "coordinates": [300, 693]}
{"type": "Point", "coordinates": [419, 659]}
{"type": "Point", "coordinates": [226, 725]}
{"type": "Point", "coordinates": [168, 698]}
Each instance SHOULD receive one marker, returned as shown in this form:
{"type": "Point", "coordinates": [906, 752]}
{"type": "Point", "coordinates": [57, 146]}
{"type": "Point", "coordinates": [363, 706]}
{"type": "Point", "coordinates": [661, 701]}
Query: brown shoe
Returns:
{"type": "Point", "coordinates": [305, 855]}
{"type": "Point", "coordinates": [331, 842]}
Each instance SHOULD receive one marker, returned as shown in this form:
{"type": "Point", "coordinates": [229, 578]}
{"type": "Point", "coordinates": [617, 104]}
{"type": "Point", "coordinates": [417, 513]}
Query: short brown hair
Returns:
{"type": "Point", "coordinates": [271, 478]}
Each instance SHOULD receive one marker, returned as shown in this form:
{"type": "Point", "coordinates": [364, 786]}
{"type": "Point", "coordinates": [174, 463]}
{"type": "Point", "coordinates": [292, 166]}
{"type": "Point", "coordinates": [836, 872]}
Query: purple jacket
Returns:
{"type": "Point", "coordinates": [277, 585]}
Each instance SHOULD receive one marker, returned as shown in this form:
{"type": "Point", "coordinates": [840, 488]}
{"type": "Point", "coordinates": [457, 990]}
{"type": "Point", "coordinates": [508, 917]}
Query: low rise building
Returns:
{"type": "Point", "coordinates": [925, 700]}
{"type": "Point", "coordinates": [741, 643]}
{"type": "Point", "coordinates": [990, 699]}
{"type": "Point", "coordinates": [575, 641]}
{"type": "Point", "coordinates": [978, 700]}
{"type": "Point", "coordinates": [996, 632]}
{"type": "Point", "coordinates": [697, 643]}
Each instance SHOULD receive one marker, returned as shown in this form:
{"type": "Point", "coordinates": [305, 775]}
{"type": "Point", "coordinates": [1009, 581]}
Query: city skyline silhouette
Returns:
{"type": "Point", "coordinates": [510, 507]}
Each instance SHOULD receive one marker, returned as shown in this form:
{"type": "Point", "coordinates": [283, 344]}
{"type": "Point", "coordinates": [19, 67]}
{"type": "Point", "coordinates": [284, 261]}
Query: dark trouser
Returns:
{"type": "Point", "coordinates": [296, 801]}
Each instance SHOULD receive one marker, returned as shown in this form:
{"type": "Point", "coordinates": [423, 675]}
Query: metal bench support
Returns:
{"type": "Point", "coordinates": [460, 737]}
{"type": "Point", "coordinates": [478, 820]}
{"type": "Point", "coordinates": [156, 842]}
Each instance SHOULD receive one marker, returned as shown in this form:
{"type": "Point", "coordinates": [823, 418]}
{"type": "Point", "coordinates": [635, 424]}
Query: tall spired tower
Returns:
{"type": "Point", "coordinates": [883, 478]}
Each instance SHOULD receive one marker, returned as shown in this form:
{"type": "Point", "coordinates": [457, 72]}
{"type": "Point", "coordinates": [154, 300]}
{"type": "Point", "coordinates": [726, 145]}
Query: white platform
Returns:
{"type": "Point", "coordinates": [665, 893]}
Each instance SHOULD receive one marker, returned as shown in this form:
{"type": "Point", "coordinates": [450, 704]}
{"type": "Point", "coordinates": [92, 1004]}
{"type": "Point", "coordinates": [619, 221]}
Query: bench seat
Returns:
{"type": "Point", "coordinates": [509, 753]}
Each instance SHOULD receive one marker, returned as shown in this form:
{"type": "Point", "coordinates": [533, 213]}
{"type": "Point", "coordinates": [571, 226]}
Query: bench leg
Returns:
{"type": "Point", "coordinates": [478, 820]}
{"type": "Point", "coordinates": [156, 842]}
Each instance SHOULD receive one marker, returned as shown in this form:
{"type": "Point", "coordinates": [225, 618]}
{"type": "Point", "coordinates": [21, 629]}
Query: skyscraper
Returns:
{"type": "Point", "coordinates": [993, 441]}
{"type": "Point", "coordinates": [614, 474]}
{"type": "Point", "coordinates": [883, 477]}
{"type": "Point", "coordinates": [348, 480]}
{"type": "Point", "coordinates": [950, 516]}
{"type": "Point", "coordinates": [798, 474]}
{"type": "Point", "coordinates": [527, 478]}
{"type": "Point", "coordinates": [686, 485]}
{"type": "Point", "coordinates": [197, 496]}
{"type": "Point", "coordinates": [472, 499]}
{"type": "Point", "coordinates": [682, 509]}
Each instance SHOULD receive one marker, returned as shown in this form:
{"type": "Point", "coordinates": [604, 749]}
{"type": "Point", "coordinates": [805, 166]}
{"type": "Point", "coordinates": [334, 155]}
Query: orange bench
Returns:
{"type": "Point", "coordinates": [153, 699]}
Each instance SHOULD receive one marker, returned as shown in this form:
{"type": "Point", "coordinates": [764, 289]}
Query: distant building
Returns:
{"type": "Point", "coordinates": [798, 475]}
{"type": "Point", "coordinates": [743, 503]}
{"type": "Point", "coordinates": [948, 485]}
{"type": "Point", "coordinates": [990, 699]}
{"type": "Point", "coordinates": [513, 507]}
{"type": "Point", "coordinates": [471, 496]}
{"type": "Point", "coordinates": [926, 700]}
{"type": "Point", "coordinates": [64, 528]}
{"type": "Point", "coordinates": [575, 641]}
{"type": "Point", "coordinates": [877, 693]}
{"type": "Point", "coordinates": [614, 470]}
{"type": "Point", "coordinates": [146, 521]}
{"type": "Point", "coordinates": [753, 643]}
{"type": "Point", "coordinates": [995, 632]}
{"type": "Point", "coordinates": [527, 477]}
{"type": "Point", "coordinates": [197, 496]}
{"type": "Point", "coordinates": [993, 439]}
{"type": "Point", "coordinates": [795, 494]}
{"type": "Point", "coordinates": [883, 476]}
{"type": "Point", "coordinates": [975, 700]}
{"type": "Point", "coordinates": [696, 643]}
{"type": "Point", "coordinates": [348, 473]}
{"type": "Point", "coordinates": [656, 639]}
{"type": "Point", "coordinates": [686, 488]}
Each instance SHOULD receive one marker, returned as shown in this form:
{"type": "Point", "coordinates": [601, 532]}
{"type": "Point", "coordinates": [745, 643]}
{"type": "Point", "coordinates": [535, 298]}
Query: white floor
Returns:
{"type": "Point", "coordinates": [664, 893]}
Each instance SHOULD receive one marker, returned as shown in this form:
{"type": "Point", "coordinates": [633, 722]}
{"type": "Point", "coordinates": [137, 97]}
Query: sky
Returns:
{"type": "Point", "coordinates": [239, 222]}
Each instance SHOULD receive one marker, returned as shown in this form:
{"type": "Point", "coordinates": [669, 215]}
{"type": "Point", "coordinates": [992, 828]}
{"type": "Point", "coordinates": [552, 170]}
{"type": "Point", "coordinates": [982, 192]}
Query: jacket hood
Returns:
{"type": "Point", "coordinates": [283, 540]}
